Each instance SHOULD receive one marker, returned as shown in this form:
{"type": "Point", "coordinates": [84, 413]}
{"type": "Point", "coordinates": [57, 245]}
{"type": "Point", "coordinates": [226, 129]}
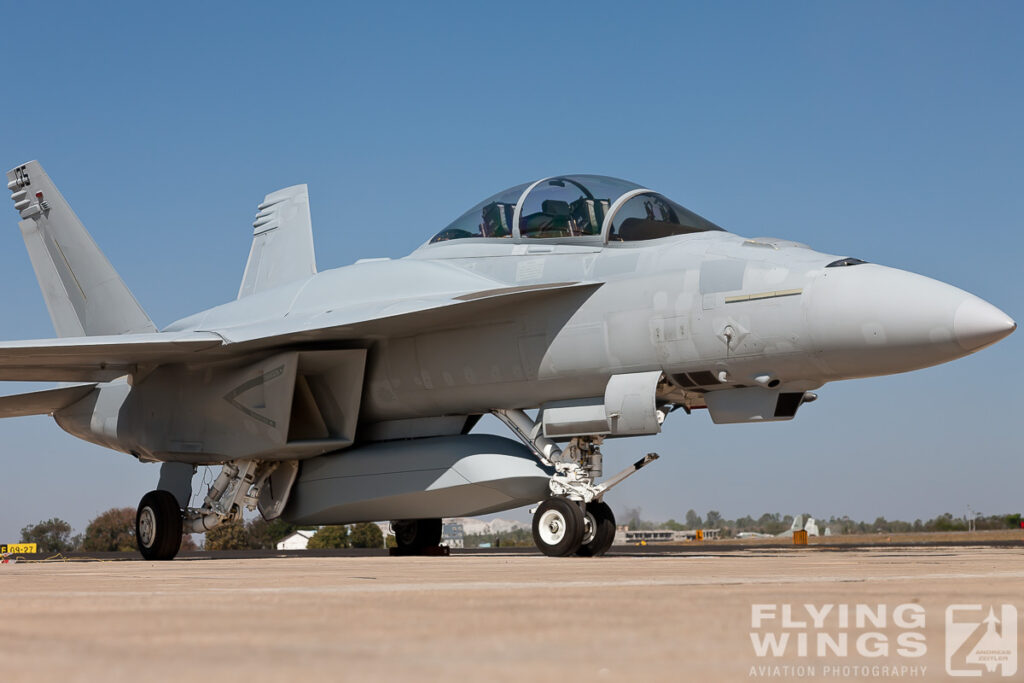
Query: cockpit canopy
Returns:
{"type": "Point", "coordinates": [580, 208]}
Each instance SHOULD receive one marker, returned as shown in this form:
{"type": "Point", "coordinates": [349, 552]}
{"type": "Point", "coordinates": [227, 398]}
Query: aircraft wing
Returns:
{"type": "Point", "coordinates": [97, 358]}
{"type": "Point", "coordinates": [373, 320]}
{"type": "Point", "coordinates": [103, 358]}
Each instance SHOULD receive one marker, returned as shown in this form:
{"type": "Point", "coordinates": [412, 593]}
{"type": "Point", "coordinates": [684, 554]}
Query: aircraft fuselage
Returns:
{"type": "Point", "coordinates": [710, 310]}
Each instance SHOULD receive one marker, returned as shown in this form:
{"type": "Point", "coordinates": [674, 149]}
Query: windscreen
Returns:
{"type": "Point", "coordinates": [490, 218]}
{"type": "Point", "coordinates": [649, 216]}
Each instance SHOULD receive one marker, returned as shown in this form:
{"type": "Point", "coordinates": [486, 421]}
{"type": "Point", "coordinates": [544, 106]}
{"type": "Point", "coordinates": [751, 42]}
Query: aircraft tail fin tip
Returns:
{"type": "Point", "coordinates": [282, 242]}
{"type": "Point", "coordinates": [84, 294]}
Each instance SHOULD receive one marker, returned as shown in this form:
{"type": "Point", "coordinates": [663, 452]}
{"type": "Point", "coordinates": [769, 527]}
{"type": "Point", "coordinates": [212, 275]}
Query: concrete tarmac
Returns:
{"type": "Point", "coordinates": [500, 617]}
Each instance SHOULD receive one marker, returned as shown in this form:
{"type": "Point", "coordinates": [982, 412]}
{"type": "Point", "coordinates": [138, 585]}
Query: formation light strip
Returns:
{"type": "Point", "coordinates": [763, 295]}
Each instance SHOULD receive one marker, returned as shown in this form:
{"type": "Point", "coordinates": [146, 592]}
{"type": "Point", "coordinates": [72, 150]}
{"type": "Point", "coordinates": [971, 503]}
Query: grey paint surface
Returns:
{"type": "Point", "coordinates": [448, 476]}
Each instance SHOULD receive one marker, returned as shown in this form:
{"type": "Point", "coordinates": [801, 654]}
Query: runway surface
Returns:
{"type": "Point", "coordinates": [493, 617]}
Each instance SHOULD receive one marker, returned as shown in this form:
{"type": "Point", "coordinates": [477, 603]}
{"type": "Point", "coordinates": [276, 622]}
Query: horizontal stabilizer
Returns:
{"type": "Point", "coordinates": [97, 359]}
{"type": "Point", "coordinates": [282, 242]}
{"type": "Point", "coordinates": [42, 402]}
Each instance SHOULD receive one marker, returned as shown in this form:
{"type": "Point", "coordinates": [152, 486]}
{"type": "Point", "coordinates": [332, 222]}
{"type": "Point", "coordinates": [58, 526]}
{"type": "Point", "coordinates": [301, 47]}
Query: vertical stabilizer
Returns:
{"type": "Point", "coordinates": [83, 292]}
{"type": "Point", "coordinates": [282, 242]}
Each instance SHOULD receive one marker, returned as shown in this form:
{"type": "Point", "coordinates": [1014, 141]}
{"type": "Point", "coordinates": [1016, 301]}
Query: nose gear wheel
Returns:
{"type": "Point", "coordinates": [600, 524]}
{"type": "Point", "coordinates": [558, 527]}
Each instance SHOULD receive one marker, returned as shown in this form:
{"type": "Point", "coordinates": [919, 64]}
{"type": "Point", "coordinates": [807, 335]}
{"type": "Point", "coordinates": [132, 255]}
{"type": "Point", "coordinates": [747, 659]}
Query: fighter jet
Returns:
{"type": "Point", "coordinates": [798, 524]}
{"type": "Point", "coordinates": [350, 395]}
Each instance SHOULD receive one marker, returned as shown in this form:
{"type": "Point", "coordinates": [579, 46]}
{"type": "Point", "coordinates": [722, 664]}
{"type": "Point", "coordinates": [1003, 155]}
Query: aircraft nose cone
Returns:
{"type": "Point", "coordinates": [978, 323]}
{"type": "Point", "coordinates": [870, 320]}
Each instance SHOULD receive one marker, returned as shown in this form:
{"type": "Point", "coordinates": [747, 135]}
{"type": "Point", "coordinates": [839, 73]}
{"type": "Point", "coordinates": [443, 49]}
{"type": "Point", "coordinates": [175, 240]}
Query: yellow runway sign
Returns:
{"type": "Point", "coordinates": [18, 548]}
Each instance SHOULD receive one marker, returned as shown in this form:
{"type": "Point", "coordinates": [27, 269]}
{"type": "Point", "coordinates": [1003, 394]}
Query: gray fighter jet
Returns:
{"type": "Point", "coordinates": [350, 395]}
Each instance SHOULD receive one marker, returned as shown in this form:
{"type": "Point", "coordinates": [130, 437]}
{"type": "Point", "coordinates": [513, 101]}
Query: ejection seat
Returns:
{"type": "Point", "coordinates": [551, 221]}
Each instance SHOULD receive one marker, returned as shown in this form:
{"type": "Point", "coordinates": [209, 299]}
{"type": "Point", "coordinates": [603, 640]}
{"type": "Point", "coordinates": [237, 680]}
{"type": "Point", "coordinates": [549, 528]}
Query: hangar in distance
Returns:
{"type": "Point", "coordinates": [351, 394]}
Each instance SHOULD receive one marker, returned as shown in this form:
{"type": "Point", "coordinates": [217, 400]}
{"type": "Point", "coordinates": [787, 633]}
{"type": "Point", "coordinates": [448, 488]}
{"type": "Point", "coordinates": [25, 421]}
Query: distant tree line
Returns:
{"type": "Point", "coordinates": [503, 539]}
{"type": "Point", "coordinates": [259, 534]}
{"type": "Point", "coordinates": [114, 530]}
{"type": "Point", "coordinates": [776, 523]}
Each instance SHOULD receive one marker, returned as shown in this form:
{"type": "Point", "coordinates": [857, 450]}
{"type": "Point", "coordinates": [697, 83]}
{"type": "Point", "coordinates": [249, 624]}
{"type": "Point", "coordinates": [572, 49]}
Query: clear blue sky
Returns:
{"type": "Point", "coordinates": [887, 131]}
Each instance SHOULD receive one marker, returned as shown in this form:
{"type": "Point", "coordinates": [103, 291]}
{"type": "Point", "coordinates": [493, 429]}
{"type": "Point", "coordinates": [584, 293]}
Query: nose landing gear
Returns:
{"type": "Point", "coordinates": [573, 485]}
{"type": "Point", "coordinates": [599, 532]}
{"type": "Point", "coordinates": [558, 527]}
{"type": "Point", "coordinates": [561, 528]}
{"type": "Point", "coordinates": [574, 520]}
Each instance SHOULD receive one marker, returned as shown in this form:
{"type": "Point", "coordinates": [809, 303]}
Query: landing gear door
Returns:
{"type": "Point", "coordinates": [274, 495]}
{"type": "Point", "coordinates": [626, 409]}
{"type": "Point", "coordinates": [630, 403]}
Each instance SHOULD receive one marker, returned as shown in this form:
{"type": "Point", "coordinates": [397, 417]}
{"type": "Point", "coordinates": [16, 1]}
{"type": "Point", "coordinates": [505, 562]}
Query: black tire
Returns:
{"type": "Point", "coordinates": [417, 534]}
{"type": "Point", "coordinates": [158, 526]}
{"type": "Point", "coordinates": [601, 522]}
{"type": "Point", "coordinates": [558, 527]}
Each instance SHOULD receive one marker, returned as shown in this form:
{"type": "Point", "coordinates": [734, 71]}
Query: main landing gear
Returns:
{"type": "Point", "coordinates": [574, 520]}
{"type": "Point", "coordinates": [158, 526]}
{"type": "Point", "coordinates": [413, 536]}
{"type": "Point", "coordinates": [160, 521]}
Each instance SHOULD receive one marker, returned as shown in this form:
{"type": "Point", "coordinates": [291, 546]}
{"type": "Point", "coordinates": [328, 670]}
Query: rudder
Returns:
{"type": "Point", "coordinates": [84, 294]}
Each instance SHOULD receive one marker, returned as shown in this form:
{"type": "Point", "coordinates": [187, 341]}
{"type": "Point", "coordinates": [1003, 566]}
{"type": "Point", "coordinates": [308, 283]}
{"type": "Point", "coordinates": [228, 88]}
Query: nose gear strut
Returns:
{"type": "Point", "coordinates": [556, 530]}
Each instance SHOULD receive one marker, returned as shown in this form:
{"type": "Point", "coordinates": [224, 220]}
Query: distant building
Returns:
{"type": "Point", "coordinates": [476, 527]}
{"type": "Point", "coordinates": [626, 536]}
{"type": "Point", "coordinates": [297, 540]}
